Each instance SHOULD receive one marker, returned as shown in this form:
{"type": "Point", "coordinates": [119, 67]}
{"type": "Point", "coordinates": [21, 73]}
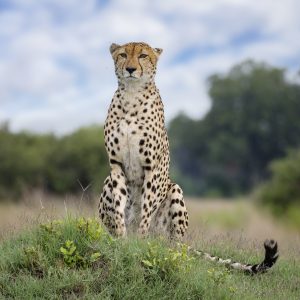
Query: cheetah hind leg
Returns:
{"type": "Point", "coordinates": [172, 217]}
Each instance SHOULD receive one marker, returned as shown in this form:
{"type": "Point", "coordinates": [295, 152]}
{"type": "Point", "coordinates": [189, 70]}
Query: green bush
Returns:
{"type": "Point", "coordinates": [282, 192]}
{"type": "Point", "coordinates": [163, 261]}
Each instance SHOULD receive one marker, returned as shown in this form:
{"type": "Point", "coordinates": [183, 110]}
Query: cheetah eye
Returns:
{"type": "Point", "coordinates": [124, 55]}
{"type": "Point", "coordinates": [143, 56]}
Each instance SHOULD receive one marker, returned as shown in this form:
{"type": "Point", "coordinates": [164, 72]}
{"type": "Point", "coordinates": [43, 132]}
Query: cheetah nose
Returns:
{"type": "Point", "coordinates": [130, 70]}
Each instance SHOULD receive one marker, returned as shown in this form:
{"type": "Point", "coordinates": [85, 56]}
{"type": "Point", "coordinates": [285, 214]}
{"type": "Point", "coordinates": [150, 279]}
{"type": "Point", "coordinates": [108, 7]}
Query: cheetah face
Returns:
{"type": "Point", "coordinates": [135, 61]}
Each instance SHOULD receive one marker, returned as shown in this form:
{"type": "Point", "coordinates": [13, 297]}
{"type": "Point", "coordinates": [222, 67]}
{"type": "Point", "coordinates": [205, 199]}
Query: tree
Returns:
{"type": "Point", "coordinates": [254, 118]}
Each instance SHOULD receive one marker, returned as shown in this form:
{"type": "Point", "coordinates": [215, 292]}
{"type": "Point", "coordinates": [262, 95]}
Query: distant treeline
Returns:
{"type": "Point", "coordinates": [58, 165]}
{"type": "Point", "coordinates": [254, 119]}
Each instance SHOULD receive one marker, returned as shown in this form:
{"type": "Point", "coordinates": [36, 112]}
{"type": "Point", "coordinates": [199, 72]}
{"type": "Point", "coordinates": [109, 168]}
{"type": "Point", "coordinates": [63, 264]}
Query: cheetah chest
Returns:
{"type": "Point", "coordinates": [129, 150]}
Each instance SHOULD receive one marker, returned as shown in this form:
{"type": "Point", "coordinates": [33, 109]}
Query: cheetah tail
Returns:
{"type": "Point", "coordinates": [271, 256]}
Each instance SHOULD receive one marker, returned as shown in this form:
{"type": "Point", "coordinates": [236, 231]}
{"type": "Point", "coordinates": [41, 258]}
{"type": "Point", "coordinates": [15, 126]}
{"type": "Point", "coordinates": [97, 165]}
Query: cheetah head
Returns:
{"type": "Point", "coordinates": [135, 62]}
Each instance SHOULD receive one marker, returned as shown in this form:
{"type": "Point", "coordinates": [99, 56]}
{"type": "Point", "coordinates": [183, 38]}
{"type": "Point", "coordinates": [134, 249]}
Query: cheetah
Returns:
{"type": "Point", "coordinates": [138, 194]}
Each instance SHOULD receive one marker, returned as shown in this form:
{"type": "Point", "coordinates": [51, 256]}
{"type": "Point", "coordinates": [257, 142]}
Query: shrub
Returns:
{"type": "Point", "coordinates": [164, 261]}
{"type": "Point", "coordinates": [282, 192]}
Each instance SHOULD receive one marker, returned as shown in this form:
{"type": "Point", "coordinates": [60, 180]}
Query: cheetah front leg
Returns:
{"type": "Point", "coordinates": [148, 202]}
{"type": "Point", "coordinates": [119, 193]}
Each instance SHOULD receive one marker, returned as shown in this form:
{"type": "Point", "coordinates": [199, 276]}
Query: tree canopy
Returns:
{"type": "Point", "coordinates": [254, 118]}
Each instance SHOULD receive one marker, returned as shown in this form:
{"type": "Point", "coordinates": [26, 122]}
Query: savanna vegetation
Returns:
{"type": "Point", "coordinates": [74, 258]}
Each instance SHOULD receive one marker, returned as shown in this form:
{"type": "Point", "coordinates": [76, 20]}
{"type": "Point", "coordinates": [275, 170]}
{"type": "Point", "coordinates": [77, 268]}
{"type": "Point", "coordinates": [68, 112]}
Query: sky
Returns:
{"type": "Point", "coordinates": [56, 72]}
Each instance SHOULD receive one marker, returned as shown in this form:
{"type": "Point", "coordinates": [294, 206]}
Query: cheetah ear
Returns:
{"type": "Point", "coordinates": [113, 47]}
{"type": "Point", "coordinates": [158, 51]}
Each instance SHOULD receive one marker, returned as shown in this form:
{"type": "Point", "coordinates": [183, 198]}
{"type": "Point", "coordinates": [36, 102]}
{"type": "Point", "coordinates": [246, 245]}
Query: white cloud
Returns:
{"type": "Point", "coordinates": [56, 73]}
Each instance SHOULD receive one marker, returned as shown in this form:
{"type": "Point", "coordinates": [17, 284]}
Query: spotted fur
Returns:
{"type": "Point", "coordinates": [138, 193]}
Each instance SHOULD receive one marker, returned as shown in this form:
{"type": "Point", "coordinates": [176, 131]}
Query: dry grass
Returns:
{"type": "Point", "coordinates": [240, 221]}
{"type": "Point", "coordinates": [38, 208]}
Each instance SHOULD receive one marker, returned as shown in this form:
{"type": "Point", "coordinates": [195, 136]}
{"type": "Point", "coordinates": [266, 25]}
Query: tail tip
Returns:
{"type": "Point", "coordinates": [270, 244]}
{"type": "Point", "coordinates": [271, 248]}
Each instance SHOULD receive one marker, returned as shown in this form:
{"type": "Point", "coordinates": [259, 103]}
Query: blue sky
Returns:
{"type": "Point", "coordinates": [56, 73]}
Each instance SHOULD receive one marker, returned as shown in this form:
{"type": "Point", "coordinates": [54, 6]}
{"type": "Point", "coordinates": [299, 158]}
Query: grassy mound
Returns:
{"type": "Point", "coordinates": [75, 258]}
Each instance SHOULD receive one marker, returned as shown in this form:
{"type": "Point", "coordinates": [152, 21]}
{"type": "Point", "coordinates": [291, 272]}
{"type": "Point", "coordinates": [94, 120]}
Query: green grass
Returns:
{"type": "Point", "coordinates": [77, 259]}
